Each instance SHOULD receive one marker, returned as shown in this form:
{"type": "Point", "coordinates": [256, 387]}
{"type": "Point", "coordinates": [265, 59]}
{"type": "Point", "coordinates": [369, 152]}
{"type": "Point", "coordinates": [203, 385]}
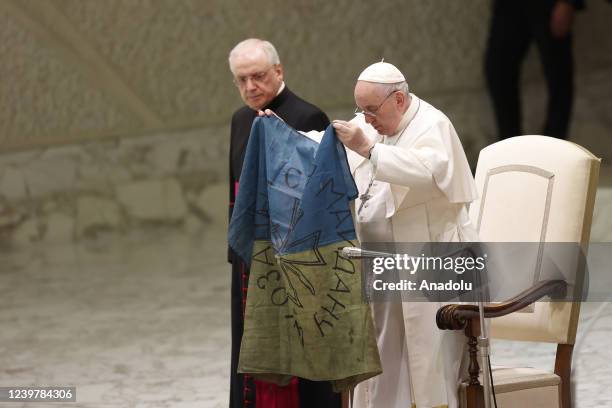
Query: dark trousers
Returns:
{"type": "Point", "coordinates": [515, 24]}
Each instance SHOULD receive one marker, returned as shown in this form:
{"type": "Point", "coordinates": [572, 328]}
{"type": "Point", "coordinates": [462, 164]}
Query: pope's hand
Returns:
{"type": "Point", "coordinates": [353, 137]}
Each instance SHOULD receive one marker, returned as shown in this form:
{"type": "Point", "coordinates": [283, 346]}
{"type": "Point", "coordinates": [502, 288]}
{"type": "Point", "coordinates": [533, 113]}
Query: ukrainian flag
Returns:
{"type": "Point", "coordinates": [304, 313]}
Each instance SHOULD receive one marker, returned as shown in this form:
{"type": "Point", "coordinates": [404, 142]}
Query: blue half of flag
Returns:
{"type": "Point", "coordinates": [293, 191]}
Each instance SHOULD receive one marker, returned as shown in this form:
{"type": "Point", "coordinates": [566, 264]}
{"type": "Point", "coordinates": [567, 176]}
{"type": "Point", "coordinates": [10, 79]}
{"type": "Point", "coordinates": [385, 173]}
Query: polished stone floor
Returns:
{"type": "Point", "coordinates": [142, 321]}
{"type": "Point", "coordinates": [138, 321]}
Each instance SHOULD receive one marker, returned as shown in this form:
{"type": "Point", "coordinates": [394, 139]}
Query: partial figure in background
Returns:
{"type": "Point", "coordinates": [258, 75]}
{"type": "Point", "coordinates": [515, 24]}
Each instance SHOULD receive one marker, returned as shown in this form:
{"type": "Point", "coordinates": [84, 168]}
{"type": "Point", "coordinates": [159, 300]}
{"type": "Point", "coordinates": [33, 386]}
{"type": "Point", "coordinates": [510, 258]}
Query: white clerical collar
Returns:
{"type": "Point", "coordinates": [407, 117]}
{"type": "Point", "coordinates": [281, 88]}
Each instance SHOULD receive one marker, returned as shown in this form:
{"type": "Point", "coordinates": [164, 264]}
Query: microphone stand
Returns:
{"type": "Point", "coordinates": [483, 339]}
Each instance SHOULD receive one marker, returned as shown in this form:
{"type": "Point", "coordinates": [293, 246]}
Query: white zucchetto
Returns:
{"type": "Point", "coordinates": [381, 73]}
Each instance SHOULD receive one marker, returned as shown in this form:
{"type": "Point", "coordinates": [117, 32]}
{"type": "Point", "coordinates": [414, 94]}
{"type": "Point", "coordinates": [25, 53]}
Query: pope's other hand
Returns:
{"type": "Point", "coordinates": [352, 137]}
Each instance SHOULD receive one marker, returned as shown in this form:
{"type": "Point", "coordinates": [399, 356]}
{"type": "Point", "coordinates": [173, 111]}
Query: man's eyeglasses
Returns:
{"type": "Point", "coordinates": [372, 113]}
{"type": "Point", "coordinates": [258, 78]}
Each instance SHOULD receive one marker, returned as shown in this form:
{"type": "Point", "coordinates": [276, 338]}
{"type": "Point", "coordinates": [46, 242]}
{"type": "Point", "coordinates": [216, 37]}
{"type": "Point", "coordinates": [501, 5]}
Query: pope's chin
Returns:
{"type": "Point", "coordinates": [381, 130]}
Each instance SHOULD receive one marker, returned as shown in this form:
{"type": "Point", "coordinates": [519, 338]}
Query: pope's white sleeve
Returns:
{"type": "Point", "coordinates": [424, 162]}
{"type": "Point", "coordinates": [314, 135]}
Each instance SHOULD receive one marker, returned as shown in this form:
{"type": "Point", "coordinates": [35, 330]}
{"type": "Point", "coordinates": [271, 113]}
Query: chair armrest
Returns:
{"type": "Point", "coordinates": [456, 316]}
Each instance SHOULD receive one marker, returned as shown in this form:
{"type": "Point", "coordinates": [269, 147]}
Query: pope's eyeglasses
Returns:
{"type": "Point", "coordinates": [372, 113]}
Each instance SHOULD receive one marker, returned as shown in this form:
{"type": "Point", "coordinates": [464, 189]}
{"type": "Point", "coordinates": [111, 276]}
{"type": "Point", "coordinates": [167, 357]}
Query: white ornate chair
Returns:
{"type": "Point", "coordinates": [531, 189]}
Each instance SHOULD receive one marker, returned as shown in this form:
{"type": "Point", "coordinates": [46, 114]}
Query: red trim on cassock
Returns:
{"type": "Point", "coordinates": [268, 395]}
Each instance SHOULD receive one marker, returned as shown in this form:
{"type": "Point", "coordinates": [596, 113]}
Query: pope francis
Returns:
{"type": "Point", "coordinates": [414, 184]}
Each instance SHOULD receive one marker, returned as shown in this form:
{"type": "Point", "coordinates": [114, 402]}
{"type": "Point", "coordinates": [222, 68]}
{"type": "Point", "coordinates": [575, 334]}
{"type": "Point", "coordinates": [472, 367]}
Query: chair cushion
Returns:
{"type": "Point", "coordinates": [523, 387]}
{"type": "Point", "coordinates": [545, 397]}
{"type": "Point", "coordinates": [509, 379]}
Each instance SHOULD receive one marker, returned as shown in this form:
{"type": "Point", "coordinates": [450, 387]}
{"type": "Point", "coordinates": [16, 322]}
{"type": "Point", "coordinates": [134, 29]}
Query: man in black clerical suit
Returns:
{"type": "Point", "coordinates": [258, 75]}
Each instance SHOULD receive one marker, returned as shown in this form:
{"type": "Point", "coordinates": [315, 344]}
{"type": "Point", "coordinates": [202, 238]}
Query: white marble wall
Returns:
{"type": "Point", "coordinates": [115, 114]}
{"type": "Point", "coordinates": [65, 193]}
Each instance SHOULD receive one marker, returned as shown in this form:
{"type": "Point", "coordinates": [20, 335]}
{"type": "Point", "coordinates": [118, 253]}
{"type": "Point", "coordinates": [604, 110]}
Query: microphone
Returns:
{"type": "Point", "coordinates": [357, 253]}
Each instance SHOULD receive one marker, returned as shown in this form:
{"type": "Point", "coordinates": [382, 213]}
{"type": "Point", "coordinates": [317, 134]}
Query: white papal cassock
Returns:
{"type": "Point", "coordinates": [420, 185]}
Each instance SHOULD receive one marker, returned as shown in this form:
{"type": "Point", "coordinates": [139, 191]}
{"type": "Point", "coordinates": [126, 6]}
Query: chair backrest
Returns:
{"type": "Point", "coordinates": [536, 189]}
